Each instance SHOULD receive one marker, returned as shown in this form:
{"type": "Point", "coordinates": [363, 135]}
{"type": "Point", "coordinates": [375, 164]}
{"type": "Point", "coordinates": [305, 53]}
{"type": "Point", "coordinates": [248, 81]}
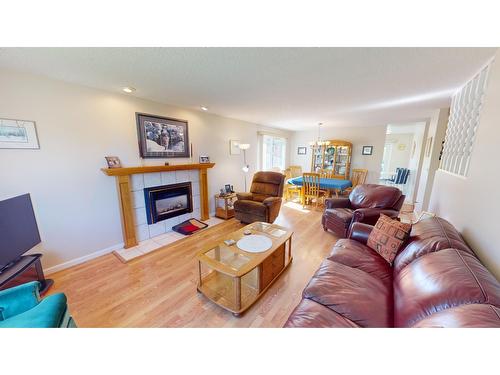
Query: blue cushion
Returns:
{"type": "Point", "coordinates": [49, 313]}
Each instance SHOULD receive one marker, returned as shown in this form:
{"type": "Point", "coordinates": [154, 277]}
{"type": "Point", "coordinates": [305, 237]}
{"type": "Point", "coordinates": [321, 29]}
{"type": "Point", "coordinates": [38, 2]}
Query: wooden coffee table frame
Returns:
{"type": "Point", "coordinates": [264, 268]}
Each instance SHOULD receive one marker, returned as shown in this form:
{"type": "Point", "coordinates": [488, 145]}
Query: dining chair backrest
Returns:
{"type": "Point", "coordinates": [288, 174]}
{"type": "Point", "coordinates": [327, 173]}
{"type": "Point", "coordinates": [358, 177]}
{"type": "Point", "coordinates": [401, 176]}
{"type": "Point", "coordinates": [311, 184]}
{"type": "Point", "coordinates": [296, 170]}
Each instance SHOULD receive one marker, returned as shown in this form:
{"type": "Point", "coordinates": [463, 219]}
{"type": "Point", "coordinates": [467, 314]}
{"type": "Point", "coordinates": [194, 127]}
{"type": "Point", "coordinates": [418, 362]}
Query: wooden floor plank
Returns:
{"type": "Point", "coordinates": [159, 289]}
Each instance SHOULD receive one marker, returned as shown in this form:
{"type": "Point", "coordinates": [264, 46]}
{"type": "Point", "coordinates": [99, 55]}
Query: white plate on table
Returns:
{"type": "Point", "coordinates": [255, 243]}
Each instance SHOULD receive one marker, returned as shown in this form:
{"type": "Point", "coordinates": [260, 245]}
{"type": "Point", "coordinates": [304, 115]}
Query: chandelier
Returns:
{"type": "Point", "coordinates": [319, 142]}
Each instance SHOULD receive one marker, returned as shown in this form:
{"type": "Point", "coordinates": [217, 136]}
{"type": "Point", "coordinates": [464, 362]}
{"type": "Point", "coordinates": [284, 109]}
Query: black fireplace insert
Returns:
{"type": "Point", "coordinates": [167, 201]}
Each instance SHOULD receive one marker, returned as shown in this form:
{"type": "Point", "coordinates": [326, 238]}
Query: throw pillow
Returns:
{"type": "Point", "coordinates": [388, 236]}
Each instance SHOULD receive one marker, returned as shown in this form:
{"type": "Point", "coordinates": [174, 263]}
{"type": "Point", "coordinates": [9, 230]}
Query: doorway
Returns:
{"type": "Point", "coordinates": [401, 162]}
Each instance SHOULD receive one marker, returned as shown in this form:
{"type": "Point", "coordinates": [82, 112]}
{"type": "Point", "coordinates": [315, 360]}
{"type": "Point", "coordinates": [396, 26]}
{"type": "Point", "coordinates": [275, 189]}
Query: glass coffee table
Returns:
{"type": "Point", "coordinates": [235, 278]}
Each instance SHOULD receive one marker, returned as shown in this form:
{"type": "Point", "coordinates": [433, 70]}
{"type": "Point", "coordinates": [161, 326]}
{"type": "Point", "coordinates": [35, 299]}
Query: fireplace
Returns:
{"type": "Point", "coordinates": [164, 202]}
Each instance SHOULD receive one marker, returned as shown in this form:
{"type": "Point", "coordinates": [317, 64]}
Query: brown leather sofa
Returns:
{"type": "Point", "coordinates": [263, 203]}
{"type": "Point", "coordinates": [365, 204]}
{"type": "Point", "coordinates": [435, 281]}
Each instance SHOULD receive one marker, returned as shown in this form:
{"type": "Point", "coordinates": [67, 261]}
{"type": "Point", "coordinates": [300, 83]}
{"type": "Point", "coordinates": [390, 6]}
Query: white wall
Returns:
{"type": "Point", "coordinates": [75, 203]}
{"type": "Point", "coordinates": [472, 203]}
{"type": "Point", "coordinates": [358, 136]}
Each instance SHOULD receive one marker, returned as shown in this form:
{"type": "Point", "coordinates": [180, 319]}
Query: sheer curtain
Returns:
{"type": "Point", "coordinates": [273, 152]}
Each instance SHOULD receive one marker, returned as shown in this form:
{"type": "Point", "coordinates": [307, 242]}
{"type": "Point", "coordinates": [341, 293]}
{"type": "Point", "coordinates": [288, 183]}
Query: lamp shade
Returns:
{"type": "Point", "coordinates": [244, 146]}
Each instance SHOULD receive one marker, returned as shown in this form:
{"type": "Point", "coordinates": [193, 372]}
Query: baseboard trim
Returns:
{"type": "Point", "coordinates": [74, 262]}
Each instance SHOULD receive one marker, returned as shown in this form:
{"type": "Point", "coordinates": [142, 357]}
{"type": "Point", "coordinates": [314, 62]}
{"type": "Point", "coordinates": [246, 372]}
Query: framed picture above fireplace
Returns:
{"type": "Point", "coordinates": [162, 137]}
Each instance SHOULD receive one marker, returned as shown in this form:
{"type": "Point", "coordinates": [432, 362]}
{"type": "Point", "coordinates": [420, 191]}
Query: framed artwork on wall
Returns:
{"type": "Point", "coordinates": [162, 137]}
{"type": "Point", "coordinates": [18, 134]}
{"type": "Point", "coordinates": [301, 150]}
{"type": "Point", "coordinates": [234, 147]}
{"type": "Point", "coordinates": [367, 150]}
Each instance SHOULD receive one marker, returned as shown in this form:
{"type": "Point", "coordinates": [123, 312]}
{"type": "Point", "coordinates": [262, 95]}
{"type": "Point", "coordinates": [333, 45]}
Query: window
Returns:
{"type": "Point", "coordinates": [273, 152]}
{"type": "Point", "coordinates": [462, 125]}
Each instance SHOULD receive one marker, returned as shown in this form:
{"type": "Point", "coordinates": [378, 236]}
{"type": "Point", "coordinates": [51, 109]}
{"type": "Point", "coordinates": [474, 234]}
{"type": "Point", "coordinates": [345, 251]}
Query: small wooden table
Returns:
{"type": "Point", "coordinates": [224, 205]}
{"type": "Point", "coordinates": [233, 278]}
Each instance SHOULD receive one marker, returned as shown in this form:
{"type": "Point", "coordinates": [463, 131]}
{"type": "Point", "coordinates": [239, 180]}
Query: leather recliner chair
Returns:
{"type": "Point", "coordinates": [364, 204]}
{"type": "Point", "coordinates": [263, 202]}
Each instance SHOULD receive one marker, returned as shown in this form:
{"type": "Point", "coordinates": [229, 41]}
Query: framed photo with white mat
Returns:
{"type": "Point", "coordinates": [20, 134]}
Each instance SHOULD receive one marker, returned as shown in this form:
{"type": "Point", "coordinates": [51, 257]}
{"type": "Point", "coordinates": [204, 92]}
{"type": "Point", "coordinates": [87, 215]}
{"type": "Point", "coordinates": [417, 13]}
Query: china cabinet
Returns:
{"type": "Point", "coordinates": [332, 156]}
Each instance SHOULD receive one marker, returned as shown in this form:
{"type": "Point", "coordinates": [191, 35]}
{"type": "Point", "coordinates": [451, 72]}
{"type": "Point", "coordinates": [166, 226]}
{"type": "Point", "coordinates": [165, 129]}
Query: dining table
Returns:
{"type": "Point", "coordinates": [336, 185]}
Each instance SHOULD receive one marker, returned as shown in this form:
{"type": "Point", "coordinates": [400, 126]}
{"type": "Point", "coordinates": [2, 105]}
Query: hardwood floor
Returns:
{"type": "Point", "coordinates": [159, 289]}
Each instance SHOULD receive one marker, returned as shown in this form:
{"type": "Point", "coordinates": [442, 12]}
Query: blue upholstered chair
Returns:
{"type": "Point", "coordinates": [21, 307]}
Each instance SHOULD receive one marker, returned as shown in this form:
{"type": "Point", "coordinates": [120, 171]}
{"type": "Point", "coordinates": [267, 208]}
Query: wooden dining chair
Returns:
{"type": "Point", "coordinates": [358, 177]}
{"type": "Point", "coordinates": [310, 189]}
{"type": "Point", "coordinates": [295, 170]}
{"type": "Point", "coordinates": [290, 190]}
{"type": "Point", "coordinates": [327, 173]}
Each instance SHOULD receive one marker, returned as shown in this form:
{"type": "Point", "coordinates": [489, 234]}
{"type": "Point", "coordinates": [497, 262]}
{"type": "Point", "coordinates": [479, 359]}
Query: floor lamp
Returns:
{"type": "Point", "coordinates": [246, 167]}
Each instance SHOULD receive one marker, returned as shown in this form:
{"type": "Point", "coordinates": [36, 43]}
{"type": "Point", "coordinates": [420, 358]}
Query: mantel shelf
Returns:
{"type": "Point", "coordinates": [154, 168]}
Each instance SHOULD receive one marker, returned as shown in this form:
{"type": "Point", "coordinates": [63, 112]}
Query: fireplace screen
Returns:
{"type": "Point", "coordinates": [165, 202]}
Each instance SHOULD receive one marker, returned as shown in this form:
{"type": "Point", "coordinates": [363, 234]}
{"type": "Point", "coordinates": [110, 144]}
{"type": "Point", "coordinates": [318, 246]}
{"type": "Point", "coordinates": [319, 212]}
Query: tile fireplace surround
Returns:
{"type": "Point", "coordinates": [138, 236]}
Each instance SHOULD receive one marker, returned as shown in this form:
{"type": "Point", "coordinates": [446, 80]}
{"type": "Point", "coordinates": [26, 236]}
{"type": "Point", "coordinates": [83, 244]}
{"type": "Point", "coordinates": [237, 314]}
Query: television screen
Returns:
{"type": "Point", "coordinates": [18, 228]}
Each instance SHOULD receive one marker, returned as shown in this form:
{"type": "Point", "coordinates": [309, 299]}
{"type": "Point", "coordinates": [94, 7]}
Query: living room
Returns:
{"type": "Point", "coordinates": [179, 186]}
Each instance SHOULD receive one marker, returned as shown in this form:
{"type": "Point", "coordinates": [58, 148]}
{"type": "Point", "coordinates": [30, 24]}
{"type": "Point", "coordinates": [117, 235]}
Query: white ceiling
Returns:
{"type": "Point", "coordinates": [291, 88]}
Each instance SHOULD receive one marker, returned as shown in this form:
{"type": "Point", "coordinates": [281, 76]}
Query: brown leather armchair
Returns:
{"type": "Point", "coordinates": [263, 203]}
{"type": "Point", "coordinates": [365, 204]}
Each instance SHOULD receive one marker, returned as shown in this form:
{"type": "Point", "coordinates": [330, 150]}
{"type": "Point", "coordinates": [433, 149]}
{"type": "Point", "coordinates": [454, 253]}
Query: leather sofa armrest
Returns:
{"type": "Point", "coordinates": [371, 215]}
{"type": "Point", "coordinates": [270, 201]}
{"type": "Point", "coordinates": [21, 298]}
{"type": "Point", "coordinates": [273, 205]}
{"type": "Point", "coordinates": [360, 232]}
{"type": "Point", "coordinates": [244, 196]}
{"type": "Point", "coordinates": [337, 203]}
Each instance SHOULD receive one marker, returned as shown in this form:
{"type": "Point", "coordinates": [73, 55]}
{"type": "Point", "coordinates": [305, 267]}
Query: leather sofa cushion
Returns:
{"type": "Point", "coordinates": [428, 236]}
{"type": "Point", "coordinates": [250, 207]}
{"type": "Point", "coordinates": [470, 316]}
{"type": "Point", "coordinates": [310, 314]}
{"type": "Point", "coordinates": [439, 281]}
{"type": "Point", "coordinates": [342, 214]}
{"type": "Point", "coordinates": [352, 293]}
{"type": "Point", "coordinates": [354, 254]}
{"type": "Point", "coordinates": [374, 196]}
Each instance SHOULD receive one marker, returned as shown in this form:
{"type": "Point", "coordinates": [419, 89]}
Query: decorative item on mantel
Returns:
{"type": "Point", "coordinates": [204, 159]}
{"type": "Point", "coordinates": [113, 161]}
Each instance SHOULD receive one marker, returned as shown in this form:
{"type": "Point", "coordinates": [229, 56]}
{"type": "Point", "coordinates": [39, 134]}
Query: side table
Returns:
{"type": "Point", "coordinates": [224, 205]}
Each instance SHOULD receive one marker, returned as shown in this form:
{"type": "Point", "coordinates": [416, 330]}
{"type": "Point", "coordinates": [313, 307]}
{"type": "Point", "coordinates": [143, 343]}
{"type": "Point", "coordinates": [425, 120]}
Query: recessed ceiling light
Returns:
{"type": "Point", "coordinates": [204, 108]}
{"type": "Point", "coordinates": [128, 90]}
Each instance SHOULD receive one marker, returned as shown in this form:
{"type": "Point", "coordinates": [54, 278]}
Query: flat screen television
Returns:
{"type": "Point", "coordinates": [18, 229]}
